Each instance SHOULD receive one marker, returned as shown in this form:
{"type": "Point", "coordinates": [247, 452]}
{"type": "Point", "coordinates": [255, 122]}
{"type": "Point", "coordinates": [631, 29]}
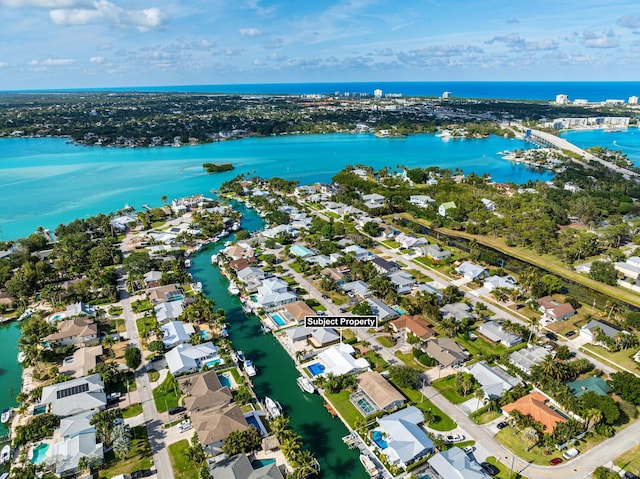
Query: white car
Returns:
{"type": "Point", "coordinates": [570, 453]}
{"type": "Point", "coordinates": [184, 426]}
{"type": "Point", "coordinates": [469, 449]}
{"type": "Point", "coordinates": [454, 438]}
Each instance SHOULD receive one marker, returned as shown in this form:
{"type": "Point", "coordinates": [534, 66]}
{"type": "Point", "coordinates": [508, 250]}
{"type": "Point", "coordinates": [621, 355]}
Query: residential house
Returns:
{"type": "Point", "coordinates": [358, 252]}
{"type": "Point", "coordinates": [454, 463]}
{"type": "Point", "coordinates": [240, 467]}
{"type": "Point", "coordinates": [402, 281]}
{"type": "Point", "coordinates": [215, 424]}
{"type": "Point", "coordinates": [176, 332]}
{"type": "Point", "coordinates": [380, 309]}
{"type": "Point", "coordinates": [278, 230]}
{"type": "Point", "coordinates": [299, 310]}
{"type": "Point", "coordinates": [489, 205]}
{"type": "Point", "coordinates": [273, 293]}
{"type": "Point", "coordinates": [75, 396]}
{"type": "Point", "coordinates": [415, 325]}
{"type": "Point", "coordinates": [421, 201]}
{"type": "Point", "coordinates": [434, 252]}
{"type": "Point", "coordinates": [630, 268]}
{"type": "Point", "coordinates": [79, 331]}
{"type": "Point", "coordinates": [120, 224]}
{"type": "Point", "coordinates": [410, 241]}
{"type": "Point", "coordinates": [301, 251]}
{"type": "Point", "coordinates": [168, 311]}
{"type": "Point", "coordinates": [252, 278]}
{"type": "Point", "coordinates": [163, 294]}
{"type": "Point", "coordinates": [339, 360]}
{"type": "Point", "coordinates": [321, 337]}
{"type": "Point", "coordinates": [383, 266]}
{"type": "Point", "coordinates": [237, 251]}
{"type": "Point", "coordinates": [374, 200]}
{"type": "Point", "coordinates": [493, 380]}
{"type": "Point", "coordinates": [554, 311]}
{"type": "Point", "coordinates": [334, 275]}
{"type": "Point", "coordinates": [204, 391]}
{"type": "Point", "coordinates": [446, 351]}
{"type": "Point", "coordinates": [458, 311]}
{"type": "Point", "coordinates": [377, 392]}
{"type": "Point", "coordinates": [406, 440]}
{"type": "Point", "coordinates": [595, 327]}
{"type": "Point", "coordinates": [152, 279]}
{"type": "Point", "coordinates": [68, 452]}
{"type": "Point", "coordinates": [472, 271]}
{"type": "Point", "coordinates": [525, 359]}
{"type": "Point", "coordinates": [592, 384]}
{"type": "Point", "coordinates": [506, 282]}
{"type": "Point", "coordinates": [81, 362]}
{"type": "Point", "coordinates": [359, 288]}
{"type": "Point", "coordinates": [535, 405]}
{"type": "Point", "coordinates": [187, 358]}
{"type": "Point", "coordinates": [444, 207]}
{"type": "Point", "coordinates": [495, 333]}
{"type": "Point", "coordinates": [428, 289]}
{"type": "Point", "coordinates": [239, 264]}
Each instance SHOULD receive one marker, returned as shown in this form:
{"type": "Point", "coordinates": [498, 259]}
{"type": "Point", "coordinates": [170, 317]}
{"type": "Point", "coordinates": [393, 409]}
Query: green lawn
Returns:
{"type": "Point", "coordinates": [505, 472]}
{"type": "Point", "coordinates": [333, 214]}
{"type": "Point", "coordinates": [629, 460]}
{"type": "Point", "coordinates": [479, 346]}
{"type": "Point", "coordinates": [182, 467]}
{"type": "Point", "coordinates": [165, 395]}
{"type": "Point", "coordinates": [141, 305]}
{"type": "Point", "coordinates": [153, 375]}
{"type": "Point", "coordinates": [409, 360]}
{"type": "Point", "coordinates": [447, 388]}
{"type": "Point", "coordinates": [386, 341]}
{"type": "Point", "coordinates": [391, 244]}
{"type": "Point", "coordinates": [621, 358]}
{"type": "Point", "coordinates": [139, 456]}
{"type": "Point", "coordinates": [485, 417]}
{"type": "Point", "coordinates": [419, 276]}
{"type": "Point", "coordinates": [378, 363]}
{"type": "Point", "coordinates": [121, 386]}
{"type": "Point", "coordinates": [442, 422]}
{"type": "Point", "coordinates": [341, 403]}
{"type": "Point", "coordinates": [146, 325]}
{"type": "Point", "coordinates": [132, 411]}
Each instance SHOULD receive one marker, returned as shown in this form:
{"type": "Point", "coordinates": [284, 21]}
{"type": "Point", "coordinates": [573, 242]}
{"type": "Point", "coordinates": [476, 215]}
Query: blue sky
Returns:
{"type": "Point", "coordinates": [109, 43]}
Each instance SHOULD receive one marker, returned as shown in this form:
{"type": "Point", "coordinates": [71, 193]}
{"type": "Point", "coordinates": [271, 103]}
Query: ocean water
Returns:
{"type": "Point", "coordinates": [10, 371]}
{"type": "Point", "coordinates": [592, 91]}
{"type": "Point", "coordinates": [627, 141]}
{"type": "Point", "coordinates": [45, 181]}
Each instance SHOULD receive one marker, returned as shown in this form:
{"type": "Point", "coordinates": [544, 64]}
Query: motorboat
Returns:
{"type": "Point", "coordinates": [5, 454]}
{"type": "Point", "coordinates": [233, 288]}
{"type": "Point", "coordinates": [21, 357]}
{"type": "Point", "coordinates": [6, 415]}
{"type": "Point", "coordinates": [369, 466]}
{"type": "Point", "coordinates": [273, 407]}
{"type": "Point", "coordinates": [249, 368]}
{"type": "Point", "coordinates": [214, 259]}
{"type": "Point", "coordinates": [306, 385]}
{"type": "Point", "coordinates": [240, 356]}
{"type": "Point", "coordinates": [198, 287]}
{"type": "Point", "coordinates": [27, 314]}
{"type": "Point", "coordinates": [187, 263]}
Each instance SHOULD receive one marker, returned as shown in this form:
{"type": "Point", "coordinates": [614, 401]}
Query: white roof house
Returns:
{"type": "Point", "coordinates": [75, 396]}
{"type": "Point", "coordinates": [406, 440]}
{"type": "Point", "coordinates": [176, 332]}
{"type": "Point", "coordinates": [506, 282]}
{"type": "Point", "coordinates": [402, 281]}
{"type": "Point", "coordinates": [525, 359]}
{"type": "Point", "coordinates": [168, 311]}
{"type": "Point", "coordinates": [121, 223]}
{"type": "Point", "coordinates": [472, 271]}
{"type": "Point", "coordinates": [422, 201]}
{"type": "Point", "coordinates": [493, 380]}
{"type": "Point", "coordinates": [409, 241]}
{"type": "Point", "coordinates": [358, 287]}
{"type": "Point", "coordinates": [454, 463]}
{"type": "Point", "coordinates": [434, 252]}
{"type": "Point", "coordinates": [273, 293]}
{"type": "Point", "coordinates": [339, 360]}
{"type": "Point", "coordinates": [359, 252]}
{"type": "Point", "coordinates": [187, 358]}
{"type": "Point", "coordinates": [494, 332]}
{"type": "Point", "coordinates": [374, 200]}
{"type": "Point", "coordinates": [380, 309]}
{"type": "Point", "coordinates": [77, 424]}
{"type": "Point", "coordinates": [68, 452]}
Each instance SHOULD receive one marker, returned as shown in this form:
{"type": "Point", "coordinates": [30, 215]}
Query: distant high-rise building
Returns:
{"type": "Point", "coordinates": [633, 100]}
{"type": "Point", "coordinates": [562, 99]}
{"type": "Point", "coordinates": [377, 93]}
{"type": "Point", "coordinates": [446, 94]}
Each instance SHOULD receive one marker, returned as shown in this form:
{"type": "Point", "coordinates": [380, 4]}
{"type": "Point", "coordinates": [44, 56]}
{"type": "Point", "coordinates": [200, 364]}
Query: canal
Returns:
{"type": "Point", "coordinates": [320, 432]}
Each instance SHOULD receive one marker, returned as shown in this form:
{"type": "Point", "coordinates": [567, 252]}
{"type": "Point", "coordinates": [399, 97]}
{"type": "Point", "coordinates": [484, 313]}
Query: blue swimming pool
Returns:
{"type": "Point", "coordinates": [57, 316]}
{"type": "Point", "coordinates": [276, 318]}
{"type": "Point", "coordinates": [42, 408]}
{"type": "Point", "coordinates": [258, 463]}
{"type": "Point", "coordinates": [253, 421]}
{"type": "Point", "coordinates": [315, 369]}
{"type": "Point", "coordinates": [376, 436]}
{"type": "Point", "coordinates": [212, 363]}
{"type": "Point", "coordinates": [225, 380]}
{"type": "Point", "coordinates": [204, 334]}
{"type": "Point", "coordinates": [39, 453]}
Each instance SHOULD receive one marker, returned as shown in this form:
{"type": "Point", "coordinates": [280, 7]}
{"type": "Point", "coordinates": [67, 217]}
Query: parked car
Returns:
{"type": "Point", "coordinates": [502, 424]}
{"type": "Point", "coordinates": [570, 453]}
{"type": "Point", "coordinates": [177, 410]}
{"type": "Point", "coordinates": [454, 438]}
{"type": "Point", "coordinates": [469, 449]}
{"type": "Point", "coordinates": [184, 426]}
{"type": "Point", "coordinates": [141, 473]}
{"type": "Point", "coordinates": [490, 468]}
{"type": "Point", "coordinates": [630, 475]}
{"type": "Point", "coordinates": [118, 421]}
{"type": "Point", "coordinates": [551, 336]}
{"type": "Point", "coordinates": [555, 461]}
{"type": "Point", "coordinates": [570, 333]}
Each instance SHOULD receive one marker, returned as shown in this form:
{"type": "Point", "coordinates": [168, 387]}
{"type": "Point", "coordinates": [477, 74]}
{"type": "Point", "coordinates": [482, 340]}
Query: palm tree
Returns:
{"type": "Point", "coordinates": [305, 465]}
{"type": "Point", "coordinates": [593, 417]}
{"type": "Point", "coordinates": [531, 436]}
{"type": "Point", "coordinates": [534, 324]}
{"type": "Point", "coordinates": [164, 199]}
{"type": "Point", "coordinates": [279, 425]}
{"type": "Point", "coordinates": [479, 395]}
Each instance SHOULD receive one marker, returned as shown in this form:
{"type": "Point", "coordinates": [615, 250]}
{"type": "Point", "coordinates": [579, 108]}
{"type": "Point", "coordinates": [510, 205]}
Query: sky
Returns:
{"type": "Point", "coordinates": [50, 44]}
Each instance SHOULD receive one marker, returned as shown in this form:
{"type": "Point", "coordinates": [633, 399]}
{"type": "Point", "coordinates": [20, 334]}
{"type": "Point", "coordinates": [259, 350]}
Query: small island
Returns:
{"type": "Point", "coordinates": [217, 167]}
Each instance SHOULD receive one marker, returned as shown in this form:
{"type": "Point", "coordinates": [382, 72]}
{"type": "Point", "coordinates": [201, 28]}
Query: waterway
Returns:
{"type": "Point", "coordinates": [320, 432]}
{"type": "Point", "coordinates": [627, 141]}
{"type": "Point", "coordinates": [10, 370]}
{"type": "Point", "coordinates": [45, 181]}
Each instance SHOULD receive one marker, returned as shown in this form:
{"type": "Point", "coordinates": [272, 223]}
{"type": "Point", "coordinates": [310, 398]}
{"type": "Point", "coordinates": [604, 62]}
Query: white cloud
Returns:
{"type": "Point", "coordinates": [604, 40]}
{"type": "Point", "coordinates": [630, 21]}
{"type": "Point", "coordinates": [516, 42]}
{"type": "Point", "coordinates": [106, 11]}
{"type": "Point", "coordinates": [96, 60]}
{"type": "Point", "coordinates": [4, 64]}
{"type": "Point", "coordinates": [274, 43]}
{"type": "Point", "coordinates": [250, 32]}
{"type": "Point", "coordinates": [52, 62]}
{"type": "Point", "coordinates": [39, 3]}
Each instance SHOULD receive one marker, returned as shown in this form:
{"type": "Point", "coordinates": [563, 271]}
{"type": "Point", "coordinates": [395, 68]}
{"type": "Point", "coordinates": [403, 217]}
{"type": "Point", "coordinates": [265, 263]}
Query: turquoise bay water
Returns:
{"type": "Point", "coordinates": [10, 370]}
{"type": "Point", "coordinates": [45, 181]}
{"type": "Point", "coordinates": [627, 141]}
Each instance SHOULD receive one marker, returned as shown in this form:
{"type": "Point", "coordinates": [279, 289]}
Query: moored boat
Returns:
{"type": "Point", "coordinates": [187, 263]}
{"type": "Point", "coordinates": [233, 288]}
{"type": "Point", "coordinates": [214, 259]}
{"type": "Point", "coordinates": [249, 368]}
{"type": "Point", "coordinates": [6, 415]}
{"type": "Point", "coordinates": [305, 384]}
{"type": "Point", "coordinates": [21, 357]}
{"type": "Point", "coordinates": [369, 466]}
{"type": "Point", "coordinates": [273, 407]}
{"type": "Point", "coordinates": [5, 454]}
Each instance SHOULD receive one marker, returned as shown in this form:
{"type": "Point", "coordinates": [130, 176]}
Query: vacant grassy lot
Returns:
{"type": "Point", "coordinates": [182, 467]}
{"type": "Point", "coordinates": [630, 460]}
{"type": "Point", "coordinates": [447, 387]}
{"type": "Point", "coordinates": [139, 456]}
{"type": "Point", "coordinates": [166, 395]}
{"type": "Point", "coordinates": [341, 403]}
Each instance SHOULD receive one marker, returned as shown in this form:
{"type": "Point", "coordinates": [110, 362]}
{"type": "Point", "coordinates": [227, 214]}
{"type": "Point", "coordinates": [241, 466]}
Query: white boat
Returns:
{"type": "Point", "coordinates": [6, 415]}
{"type": "Point", "coordinates": [273, 407]}
{"type": "Point", "coordinates": [369, 466]}
{"type": "Point", "coordinates": [227, 243]}
{"type": "Point", "coordinates": [234, 357]}
{"type": "Point", "coordinates": [240, 356]}
{"type": "Point", "coordinates": [27, 314]}
{"type": "Point", "coordinates": [187, 263]}
{"type": "Point", "coordinates": [249, 368]}
{"type": "Point", "coordinates": [306, 385]}
{"type": "Point", "coordinates": [21, 357]}
{"type": "Point", "coordinates": [5, 454]}
{"type": "Point", "coordinates": [233, 288]}
{"type": "Point", "coordinates": [214, 259]}
{"type": "Point", "coordinates": [198, 287]}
